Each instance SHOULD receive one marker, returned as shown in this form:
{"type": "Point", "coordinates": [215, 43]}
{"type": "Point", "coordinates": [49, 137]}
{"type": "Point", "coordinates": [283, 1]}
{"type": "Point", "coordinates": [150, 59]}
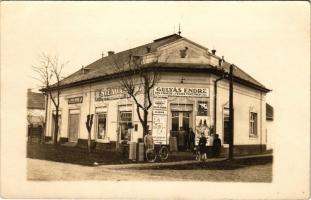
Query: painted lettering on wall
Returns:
{"type": "Point", "coordinates": [109, 94]}
{"type": "Point", "coordinates": [181, 91]}
{"type": "Point", "coordinates": [159, 121]}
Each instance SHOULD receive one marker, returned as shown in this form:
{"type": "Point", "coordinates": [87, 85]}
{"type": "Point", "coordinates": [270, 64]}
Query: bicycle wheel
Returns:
{"type": "Point", "coordinates": [151, 155]}
{"type": "Point", "coordinates": [163, 153]}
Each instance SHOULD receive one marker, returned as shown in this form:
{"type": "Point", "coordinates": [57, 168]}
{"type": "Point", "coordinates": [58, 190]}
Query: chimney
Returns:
{"type": "Point", "coordinates": [110, 53]}
{"type": "Point", "coordinates": [221, 61]}
{"type": "Point", "coordinates": [214, 51]}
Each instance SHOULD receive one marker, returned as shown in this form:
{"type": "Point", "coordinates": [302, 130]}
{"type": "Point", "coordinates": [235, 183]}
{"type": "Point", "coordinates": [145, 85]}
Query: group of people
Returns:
{"type": "Point", "coordinates": [186, 139]}
{"type": "Point", "coordinates": [203, 149]}
{"type": "Point", "coordinates": [190, 143]}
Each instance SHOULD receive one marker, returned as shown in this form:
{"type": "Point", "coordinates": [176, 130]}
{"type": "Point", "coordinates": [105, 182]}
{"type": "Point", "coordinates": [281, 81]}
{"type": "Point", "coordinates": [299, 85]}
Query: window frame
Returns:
{"type": "Point", "coordinates": [97, 126]}
{"type": "Point", "coordinates": [253, 124]}
{"type": "Point", "coordinates": [127, 122]}
{"type": "Point", "coordinates": [201, 113]}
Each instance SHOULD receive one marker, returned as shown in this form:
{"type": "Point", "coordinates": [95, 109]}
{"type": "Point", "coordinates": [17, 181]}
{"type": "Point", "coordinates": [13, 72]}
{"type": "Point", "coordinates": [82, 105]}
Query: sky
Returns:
{"type": "Point", "coordinates": [268, 40]}
{"type": "Point", "coordinates": [261, 38]}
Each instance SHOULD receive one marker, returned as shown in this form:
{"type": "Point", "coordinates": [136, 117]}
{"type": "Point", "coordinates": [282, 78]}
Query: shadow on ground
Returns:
{"type": "Point", "coordinates": [76, 155]}
{"type": "Point", "coordinates": [215, 165]}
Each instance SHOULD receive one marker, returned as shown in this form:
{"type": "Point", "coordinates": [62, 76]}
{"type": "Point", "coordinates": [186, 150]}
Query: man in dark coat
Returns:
{"type": "Point", "coordinates": [191, 139]}
{"type": "Point", "coordinates": [202, 146]}
{"type": "Point", "coordinates": [216, 146]}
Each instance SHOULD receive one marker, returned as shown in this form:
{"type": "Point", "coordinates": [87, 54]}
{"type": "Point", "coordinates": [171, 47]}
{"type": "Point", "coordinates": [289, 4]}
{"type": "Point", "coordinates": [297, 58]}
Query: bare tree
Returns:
{"type": "Point", "coordinates": [136, 79]}
{"type": "Point", "coordinates": [49, 71]}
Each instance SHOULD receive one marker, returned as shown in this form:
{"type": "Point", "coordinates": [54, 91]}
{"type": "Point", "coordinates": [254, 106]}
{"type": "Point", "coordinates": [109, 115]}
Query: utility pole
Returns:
{"type": "Point", "coordinates": [231, 113]}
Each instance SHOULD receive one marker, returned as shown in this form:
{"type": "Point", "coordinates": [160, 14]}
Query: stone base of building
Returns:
{"type": "Point", "coordinates": [48, 138]}
{"type": "Point", "coordinates": [82, 143]}
{"type": "Point", "coordinates": [105, 146]}
{"type": "Point", "coordinates": [63, 140]}
{"type": "Point", "coordinates": [245, 149]}
{"type": "Point", "coordinates": [98, 146]}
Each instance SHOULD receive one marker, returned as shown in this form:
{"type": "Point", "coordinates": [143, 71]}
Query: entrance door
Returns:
{"type": "Point", "coordinates": [180, 119]}
{"type": "Point", "coordinates": [180, 127]}
{"type": "Point", "coordinates": [226, 126]}
{"type": "Point", "coordinates": [73, 127]}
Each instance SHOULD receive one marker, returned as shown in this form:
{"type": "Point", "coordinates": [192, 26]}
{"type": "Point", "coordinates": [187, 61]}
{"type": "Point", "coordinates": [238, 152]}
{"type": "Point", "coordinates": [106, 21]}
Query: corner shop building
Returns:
{"type": "Point", "coordinates": [185, 97]}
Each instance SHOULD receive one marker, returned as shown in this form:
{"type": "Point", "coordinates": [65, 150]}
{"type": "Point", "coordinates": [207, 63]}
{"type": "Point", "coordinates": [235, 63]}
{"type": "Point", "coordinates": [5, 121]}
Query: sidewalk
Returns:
{"type": "Point", "coordinates": [185, 162]}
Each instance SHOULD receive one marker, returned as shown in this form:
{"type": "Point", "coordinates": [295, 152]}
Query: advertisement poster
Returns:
{"type": "Point", "coordinates": [159, 129]}
{"type": "Point", "coordinates": [159, 121]}
{"type": "Point", "coordinates": [202, 126]}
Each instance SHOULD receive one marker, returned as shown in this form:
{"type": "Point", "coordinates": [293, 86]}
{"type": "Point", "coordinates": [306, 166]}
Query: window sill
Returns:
{"type": "Point", "coordinates": [253, 136]}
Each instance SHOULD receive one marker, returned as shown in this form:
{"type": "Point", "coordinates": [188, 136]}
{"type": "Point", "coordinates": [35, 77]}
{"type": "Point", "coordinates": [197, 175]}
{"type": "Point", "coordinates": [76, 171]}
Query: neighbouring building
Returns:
{"type": "Point", "coordinates": [269, 125]}
{"type": "Point", "coordinates": [35, 114]}
{"type": "Point", "coordinates": [187, 96]}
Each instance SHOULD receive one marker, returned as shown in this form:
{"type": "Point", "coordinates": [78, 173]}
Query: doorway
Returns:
{"type": "Point", "coordinates": [73, 125]}
{"type": "Point", "coordinates": [181, 122]}
{"type": "Point", "coordinates": [180, 119]}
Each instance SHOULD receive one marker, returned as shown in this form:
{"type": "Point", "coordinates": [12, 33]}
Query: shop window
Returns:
{"type": "Point", "coordinates": [203, 108]}
{"type": "Point", "coordinates": [101, 125]}
{"type": "Point", "coordinates": [253, 124]}
{"type": "Point", "coordinates": [125, 124]}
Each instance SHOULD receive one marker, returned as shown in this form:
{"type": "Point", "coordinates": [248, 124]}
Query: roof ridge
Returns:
{"type": "Point", "coordinates": [89, 66]}
{"type": "Point", "coordinates": [165, 37]}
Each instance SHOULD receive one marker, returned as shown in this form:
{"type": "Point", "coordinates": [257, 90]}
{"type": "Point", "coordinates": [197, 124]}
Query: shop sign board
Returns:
{"type": "Point", "coordinates": [75, 100]}
{"type": "Point", "coordinates": [160, 91]}
{"type": "Point", "coordinates": [110, 94]}
{"type": "Point", "coordinates": [160, 112]}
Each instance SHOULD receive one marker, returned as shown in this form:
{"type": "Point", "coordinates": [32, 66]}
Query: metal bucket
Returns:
{"type": "Point", "coordinates": [141, 155]}
{"type": "Point", "coordinates": [132, 151]}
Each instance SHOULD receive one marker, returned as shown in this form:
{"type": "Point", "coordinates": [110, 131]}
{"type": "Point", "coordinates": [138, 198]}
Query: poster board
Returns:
{"type": "Point", "coordinates": [202, 124]}
{"type": "Point", "coordinates": [159, 121]}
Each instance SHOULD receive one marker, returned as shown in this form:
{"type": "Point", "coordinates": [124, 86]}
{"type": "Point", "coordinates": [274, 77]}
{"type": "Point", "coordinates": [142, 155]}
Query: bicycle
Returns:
{"type": "Point", "coordinates": [158, 151]}
{"type": "Point", "coordinates": [198, 155]}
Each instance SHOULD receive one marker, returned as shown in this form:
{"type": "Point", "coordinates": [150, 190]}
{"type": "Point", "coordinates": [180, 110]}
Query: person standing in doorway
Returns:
{"type": "Point", "coordinates": [181, 139]}
{"type": "Point", "coordinates": [202, 146]}
{"type": "Point", "coordinates": [191, 139]}
{"type": "Point", "coordinates": [216, 146]}
{"type": "Point", "coordinates": [187, 139]}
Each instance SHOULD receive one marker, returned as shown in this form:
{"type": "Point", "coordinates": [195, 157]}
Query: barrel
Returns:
{"type": "Point", "coordinates": [141, 154]}
{"type": "Point", "coordinates": [173, 143]}
{"type": "Point", "coordinates": [132, 151]}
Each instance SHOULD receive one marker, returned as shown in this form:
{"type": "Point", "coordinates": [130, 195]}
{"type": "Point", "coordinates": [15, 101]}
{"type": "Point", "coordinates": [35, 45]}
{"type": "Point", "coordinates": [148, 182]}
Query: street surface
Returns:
{"type": "Point", "coordinates": [42, 170]}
